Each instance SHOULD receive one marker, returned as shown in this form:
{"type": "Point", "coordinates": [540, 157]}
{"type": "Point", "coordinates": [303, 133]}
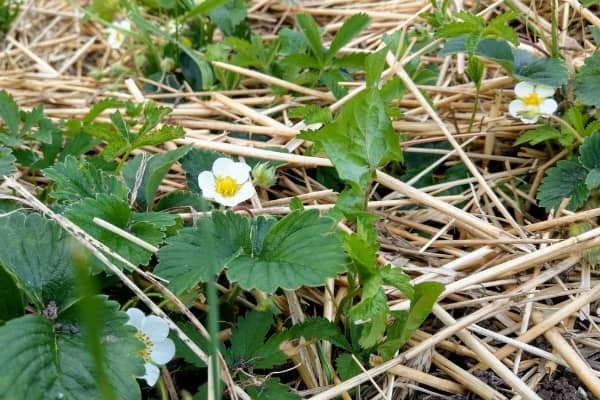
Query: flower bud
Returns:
{"type": "Point", "coordinates": [264, 175]}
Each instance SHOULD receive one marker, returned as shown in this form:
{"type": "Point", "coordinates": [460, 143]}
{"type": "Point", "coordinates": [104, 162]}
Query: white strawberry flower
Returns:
{"type": "Point", "coordinates": [115, 36]}
{"type": "Point", "coordinates": [153, 331]}
{"type": "Point", "coordinates": [228, 183]}
{"type": "Point", "coordinates": [533, 101]}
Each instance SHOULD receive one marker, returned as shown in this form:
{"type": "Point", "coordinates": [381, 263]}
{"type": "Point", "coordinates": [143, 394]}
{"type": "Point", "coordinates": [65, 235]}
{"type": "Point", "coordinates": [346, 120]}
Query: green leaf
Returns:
{"type": "Point", "coordinates": [407, 322]}
{"type": "Point", "coordinates": [360, 140]}
{"type": "Point", "coordinates": [269, 354]}
{"type": "Point", "coordinates": [115, 211]}
{"type": "Point", "coordinates": [312, 114]}
{"type": "Point", "coordinates": [183, 200]}
{"type": "Point", "coordinates": [499, 27]}
{"type": "Point", "coordinates": [567, 179]}
{"type": "Point", "coordinates": [587, 81]}
{"type": "Point", "coordinates": [271, 389]}
{"type": "Point", "coordinates": [346, 366]}
{"type": "Point", "coordinates": [194, 162]}
{"type": "Point", "coordinates": [244, 346]}
{"type": "Point", "coordinates": [11, 301]}
{"type": "Point", "coordinates": [229, 16]}
{"type": "Point", "coordinates": [371, 313]}
{"type": "Point", "coordinates": [298, 250]}
{"type": "Point", "coordinates": [590, 151]}
{"type": "Point", "coordinates": [197, 254]}
{"type": "Point", "coordinates": [7, 161]}
{"type": "Point", "coordinates": [182, 350]}
{"type": "Point", "coordinates": [374, 65]}
{"type": "Point", "coordinates": [203, 8]}
{"type": "Point", "coordinates": [540, 71]}
{"type": "Point", "coordinates": [76, 179]}
{"type": "Point", "coordinates": [154, 169]}
{"type": "Point", "coordinates": [9, 112]}
{"type": "Point", "coordinates": [100, 107]}
{"type": "Point", "coordinates": [475, 70]}
{"type": "Point", "coordinates": [396, 277]}
{"type": "Point", "coordinates": [352, 27]}
{"type": "Point", "coordinates": [310, 30]}
{"type": "Point", "coordinates": [592, 180]}
{"type": "Point", "coordinates": [43, 359]}
{"type": "Point", "coordinates": [539, 135]}
{"type": "Point", "coordinates": [38, 254]}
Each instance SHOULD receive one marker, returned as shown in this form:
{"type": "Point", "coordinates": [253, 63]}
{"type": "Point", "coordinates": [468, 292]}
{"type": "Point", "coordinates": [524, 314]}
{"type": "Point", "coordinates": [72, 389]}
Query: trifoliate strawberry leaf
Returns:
{"type": "Point", "coordinates": [590, 151]}
{"type": "Point", "coordinates": [407, 322]}
{"type": "Point", "coordinates": [49, 359]}
{"type": "Point", "coordinates": [197, 254]}
{"type": "Point", "coordinates": [38, 254]}
{"type": "Point", "coordinates": [300, 249]}
{"type": "Point", "coordinates": [587, 81]}
{"type": "Point", "coordinates": [144, 173]}
{"type": "Point", "coordinates": [271, 389]}
{"type": "Point", "coordinates": [115, 211]}
{"type": "Point", "coordinates": [360, 140]}
{"type": "Point", "coordinates": [592, 180]}
{"type": "Point", "coordinates": [76, 179]}
{"type": "Point", "coordinates": [565, 180]}
{"type": "Point", "coordinates": [7, 162]}
{"type": "Point", "coordinates": [539, 70]}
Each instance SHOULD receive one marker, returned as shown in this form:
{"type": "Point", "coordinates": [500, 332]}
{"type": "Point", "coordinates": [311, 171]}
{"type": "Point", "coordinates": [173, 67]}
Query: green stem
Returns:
{"type": "Point", "coordinates": [553, 11]}
{"type": "Point", "coordinates": [474, 112]}
{"type": "Point", "coordinates": [162, 388]}
{"type": "Point", "coordinates": [213, 331]}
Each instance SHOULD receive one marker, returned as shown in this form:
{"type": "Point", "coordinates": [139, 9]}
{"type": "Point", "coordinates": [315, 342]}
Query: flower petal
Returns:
{"type": "Point", "coordinates": [515, 107]}
{"type": "Point", "coordinates": [226, 201]}
{"type": "Point", "coordinates": [136, 316]}
{"type": "Point", "coordinates": [155, 328]}
{"type": "Point", "coordinates": [163, 351]}
{"type": "Point", "coordinates": [240, 172]}
{"type": "Point", "coordinates": [124, 24]}
{"type": "Point", "coordinates": [523, 89]}
{"type": "Point", "coordinates": [544, 91]}
{"type": "Point", "coordinates": [245, 192]}
{"type": "Point", "coordinates": [222, 166]}
{"type": "Point", "coordinates": [151, 375]}
{"type": "Point", "coordinates": [531, 120]}
{"type": "Point", "coordinates": [206, 183]}
{"type": "Point", "coordinates": [548, 106]}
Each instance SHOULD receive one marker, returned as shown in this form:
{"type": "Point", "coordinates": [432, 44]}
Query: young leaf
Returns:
{"type": "Point", "coordinates": [565, 180]}
{"type": "Point", "coordinates": [539, 70]}
{"type": "Point", "coordinates": [300, 249]}
{"type": "Point", "coordinates": [539, 135]}
{"type": "Point", "coordinates": [229, 16]}
{"type": "Point", "coordinates": [311, 33]}
{"type": "Point", "coordinates": [371, 313]}
{"type": "Point", "coordinates": [45, 359]}
{"type": "Point", "coordinates": [197, 254]}
{"type": "Point", "coordinates": [475, 70]}
{"type": "Point", "coordinates": [36, 252]}
{"type": "Point", "coordinates": [398, 279]}
{"type": "Point", "coordinates": [426, 294]}
{"type": "Point", "coordinates": [346, 367]}
{"type": "Point", "coordinates": [77, 179]}
{"type": "Point", "coordinates": [150, 171]}
{"type": "Point", "coordinates": [352, 27]}
{"type": "Point", "coordinates": [9, 112]}
{"type": "Point", "coordinates": [360, 140]}
{"type": "Point", "coordinates": [587, 81]}
{"type": "Point", "coordinates": [7, 161]}
{"type": "Point", "coordinates": [374, 65]}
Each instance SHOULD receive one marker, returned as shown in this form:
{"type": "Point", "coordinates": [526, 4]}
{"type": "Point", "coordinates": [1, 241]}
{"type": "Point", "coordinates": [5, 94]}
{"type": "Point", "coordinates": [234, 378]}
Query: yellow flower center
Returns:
{"type": "Point", "coordinates": [145, 354]}
{"type": "Point", "coordinates": [226, 186]}
{"type": "Point", "coordinates": [532, 99]}
{"type": "Point", "coordinates": [117, 36]}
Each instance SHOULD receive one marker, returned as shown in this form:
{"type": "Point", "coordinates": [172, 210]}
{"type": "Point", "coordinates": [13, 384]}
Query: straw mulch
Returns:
{"type": "Point", "coordinates": [520, 311]}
